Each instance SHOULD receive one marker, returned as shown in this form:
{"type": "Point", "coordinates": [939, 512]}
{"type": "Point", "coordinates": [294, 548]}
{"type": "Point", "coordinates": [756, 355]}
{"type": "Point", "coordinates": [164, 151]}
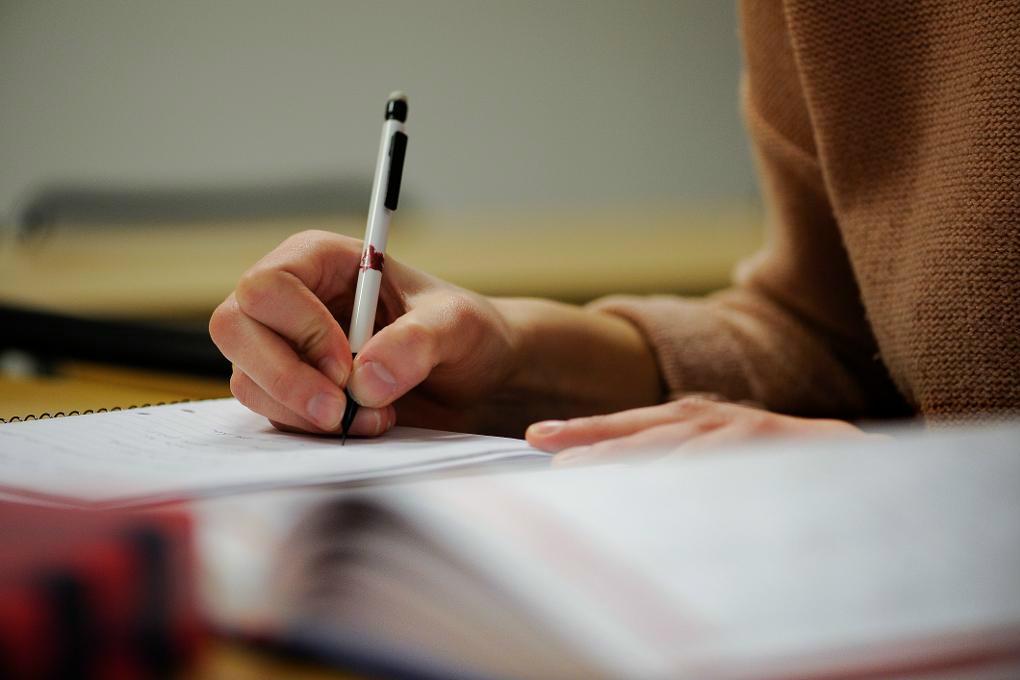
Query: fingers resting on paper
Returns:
{"type": "Point", "coordinates": [686, 425]}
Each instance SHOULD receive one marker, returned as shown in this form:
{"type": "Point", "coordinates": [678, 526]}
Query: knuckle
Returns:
{"type": "Point", "coordinates": [763, 422]}
{"type": "Point", "coordinates": [461, 309]}
{"type": "Point", "coordinates": [312, 242]}
{"type": "Point", "coordinates": [466, 320]}
{"type": "Point", "coordinates": [307, 238]}
{"type": "Point", "coordinates": [223, 320]}
{"type": "Point", "coordinates": [692, 405]}
{"type": "Point", "coordinates": [252, 289]}
{"type": "Point", "coordinates": [597, 423]}
{"type": "Point", "coordinates": [280, 387]}
{"type": "Point", "coordinates": [417, 335]}
{"type": "Point", "coordinates": [241, 388]}
{"type": "Point", "coordinates": [312, 337]}
{"type": "Point", "coordinates": [706, 425]}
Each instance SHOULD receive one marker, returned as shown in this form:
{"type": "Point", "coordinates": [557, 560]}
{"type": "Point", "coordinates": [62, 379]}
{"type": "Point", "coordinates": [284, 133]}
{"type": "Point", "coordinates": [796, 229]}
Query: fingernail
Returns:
{"type": "Point", "coordinates": [547, 427]}
{"type": "Point", "coordinates": [378, 425]}
{"type": "Point", "coordinates": [369, 422]}
{"type": "Point", "coordinates": [371, 383]}
{"type": "Point", "coordinates": [333, 370]}
{"type": "Point", "coordinates": [325, 409]}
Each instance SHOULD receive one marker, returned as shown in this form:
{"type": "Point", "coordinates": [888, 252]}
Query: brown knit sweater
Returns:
{"type": "Point", "coordinates": [887, 136]}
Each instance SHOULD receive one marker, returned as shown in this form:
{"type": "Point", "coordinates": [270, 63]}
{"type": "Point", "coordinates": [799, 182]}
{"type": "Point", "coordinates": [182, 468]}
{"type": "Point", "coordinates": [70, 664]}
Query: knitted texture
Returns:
{"type": "Point", "coordinates": [887, 136]}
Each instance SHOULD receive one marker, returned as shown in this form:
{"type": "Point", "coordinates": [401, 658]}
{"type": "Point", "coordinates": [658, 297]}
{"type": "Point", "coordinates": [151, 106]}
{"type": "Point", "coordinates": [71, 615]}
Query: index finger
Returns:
{"type": "Point", "coordinates": [274, 366]}
{"type": "Point", "coordinates": [281, 301]}
{"type": "Point", "coordinates": [289, 291]}
{"type": "Point", "coordinates": [327, 264]}
{"type": "Point", "coordinates": [556, 435]}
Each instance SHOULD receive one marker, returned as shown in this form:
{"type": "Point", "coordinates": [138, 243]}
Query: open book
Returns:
{"type": "Point", "coordinates": [821, 560]}
{"type": "Point", "coordinates": [215, 447]}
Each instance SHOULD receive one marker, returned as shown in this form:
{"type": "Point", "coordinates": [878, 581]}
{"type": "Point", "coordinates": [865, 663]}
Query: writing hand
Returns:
{"type": "Point", "coordinates": [291, 358]}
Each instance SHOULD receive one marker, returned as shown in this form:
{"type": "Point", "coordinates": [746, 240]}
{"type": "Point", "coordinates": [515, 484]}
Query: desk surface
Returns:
{"type": "Point", "coordinates": [79, 387]}
{"type": "Point", "coordinates": [184, 271]}
{"type": "Point", "coordinates": [226, 659]}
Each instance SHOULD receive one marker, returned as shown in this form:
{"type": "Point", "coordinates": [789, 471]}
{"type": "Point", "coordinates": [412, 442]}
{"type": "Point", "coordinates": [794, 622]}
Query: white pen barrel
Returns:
{"type": "Point", "coordinates": [377, 207]}
{"type": "Point", "coordinates": [366, 299]}
{"type": "Point", "coordinates": [366, 295]}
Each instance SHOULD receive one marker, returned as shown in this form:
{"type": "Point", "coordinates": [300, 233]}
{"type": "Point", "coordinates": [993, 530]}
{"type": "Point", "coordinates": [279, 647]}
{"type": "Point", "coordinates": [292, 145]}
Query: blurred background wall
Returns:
{"type": "Point", "coordinates": [514, 105]}
{"type": "Point", "coordinates": [151, 151]}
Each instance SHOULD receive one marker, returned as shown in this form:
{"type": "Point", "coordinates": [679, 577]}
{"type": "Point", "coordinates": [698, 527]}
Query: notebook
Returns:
{"type": "Point", "coordinates": [163, 453]}
{"type": "Point", "coordinates": [799, 560]}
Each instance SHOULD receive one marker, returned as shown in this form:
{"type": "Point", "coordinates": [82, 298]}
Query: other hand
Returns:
{"type": "Point", "coordinates": [689, 424]}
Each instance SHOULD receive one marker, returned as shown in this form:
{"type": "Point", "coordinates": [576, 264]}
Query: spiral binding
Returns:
{"type": "Point", "coordinates": [75, 412]}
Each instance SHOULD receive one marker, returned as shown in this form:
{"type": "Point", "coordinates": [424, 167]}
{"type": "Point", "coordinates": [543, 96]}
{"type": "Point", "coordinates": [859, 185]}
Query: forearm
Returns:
{"type": "Point", "coordinates": [742, 345]}
{"type": "Point", "coordinates": [570, 361]}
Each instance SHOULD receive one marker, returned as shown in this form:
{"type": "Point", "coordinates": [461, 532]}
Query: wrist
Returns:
{"type": "Point", "coordinates": [570, 361]}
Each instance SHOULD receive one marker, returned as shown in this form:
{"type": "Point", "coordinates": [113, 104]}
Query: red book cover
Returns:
{"type": "Point", "coordinates": [96, 593]}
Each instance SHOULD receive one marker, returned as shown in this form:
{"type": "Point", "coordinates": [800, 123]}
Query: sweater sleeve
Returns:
{"type": "Point", "coordinates": [791, 332]}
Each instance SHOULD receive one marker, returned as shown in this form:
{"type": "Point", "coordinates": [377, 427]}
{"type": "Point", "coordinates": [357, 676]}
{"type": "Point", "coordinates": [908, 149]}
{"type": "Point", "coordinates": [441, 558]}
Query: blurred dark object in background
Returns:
{"type": "Point", "coordinates": [96, 594]}
{"type": "Point", "coordinates": [172, 347]}
{"type": "Point", "coordinates": [110, 206]}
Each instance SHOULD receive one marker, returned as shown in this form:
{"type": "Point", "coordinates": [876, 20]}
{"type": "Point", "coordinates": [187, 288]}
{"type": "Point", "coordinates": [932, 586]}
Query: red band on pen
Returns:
{"type": "Point", "coordinates": [372, 259]}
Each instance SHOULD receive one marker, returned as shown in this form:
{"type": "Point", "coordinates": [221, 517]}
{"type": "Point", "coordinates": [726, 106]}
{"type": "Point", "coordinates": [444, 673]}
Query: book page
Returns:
{"type": "Point", "coordinates": [784, 557]}
{"type": "Point", "coordinates": [860, 558]}
{"type": "Point", "coordinates": [214, 447]}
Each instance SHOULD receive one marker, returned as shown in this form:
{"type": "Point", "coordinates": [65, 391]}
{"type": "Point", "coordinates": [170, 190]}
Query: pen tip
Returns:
{"type": "Point", "coordinates": [343, 439]}
{"type": "Point", "coordinates": [397, 94]}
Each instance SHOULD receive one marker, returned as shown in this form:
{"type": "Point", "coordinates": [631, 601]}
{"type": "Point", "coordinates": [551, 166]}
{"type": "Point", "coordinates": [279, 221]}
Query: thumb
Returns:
{"type": "Point", "coordinates": [403, 354]}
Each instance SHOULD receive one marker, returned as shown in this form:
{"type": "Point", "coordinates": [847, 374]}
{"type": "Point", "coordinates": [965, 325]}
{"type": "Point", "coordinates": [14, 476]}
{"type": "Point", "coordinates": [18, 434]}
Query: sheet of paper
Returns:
{"type": "Point", "coordinates": [214, 447]}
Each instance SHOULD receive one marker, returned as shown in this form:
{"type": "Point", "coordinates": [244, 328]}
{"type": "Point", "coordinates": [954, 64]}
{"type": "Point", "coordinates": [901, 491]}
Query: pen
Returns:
{"type": "Point", "coordinates": [385, 191]}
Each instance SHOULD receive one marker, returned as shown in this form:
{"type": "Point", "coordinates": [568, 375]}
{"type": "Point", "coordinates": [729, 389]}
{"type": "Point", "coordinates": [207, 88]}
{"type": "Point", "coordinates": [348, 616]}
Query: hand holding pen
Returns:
{"type": "Point", "coordinates": [440, 349]}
